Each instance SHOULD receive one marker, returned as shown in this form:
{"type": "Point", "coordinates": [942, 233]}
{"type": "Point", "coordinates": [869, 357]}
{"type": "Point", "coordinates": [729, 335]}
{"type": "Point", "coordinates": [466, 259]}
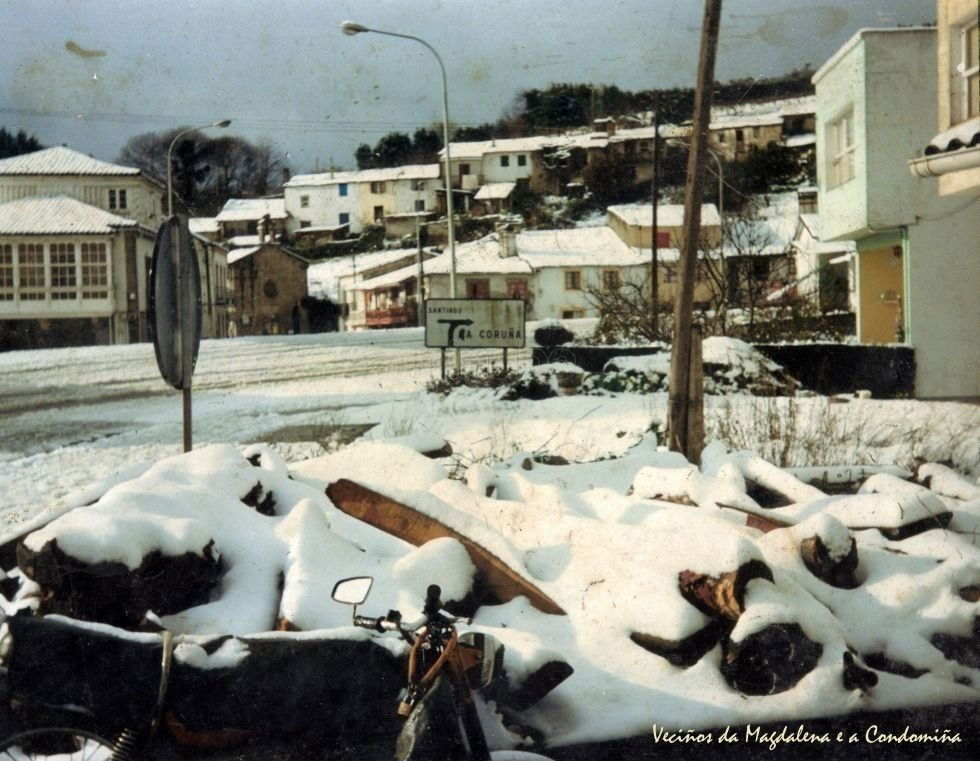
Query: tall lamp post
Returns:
{"type": "Point", "coordinates": [170, 165]}
{"type": "Point", "coordinates": [352, 28]}
{"type": "Point", "coordinates": [186, 354]}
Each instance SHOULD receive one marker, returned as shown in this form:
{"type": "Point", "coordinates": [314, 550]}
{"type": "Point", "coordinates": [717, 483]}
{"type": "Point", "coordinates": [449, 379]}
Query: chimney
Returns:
{"type": "Point", "coordinates": [508, 240]}
{"type": "Point", "coordinates": [261, 229]}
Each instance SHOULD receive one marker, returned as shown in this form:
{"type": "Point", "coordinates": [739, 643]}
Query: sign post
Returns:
{"type": "Point", "coordinates": [175, 310]}
{"type": "Point", "coordinates": [474, 324]}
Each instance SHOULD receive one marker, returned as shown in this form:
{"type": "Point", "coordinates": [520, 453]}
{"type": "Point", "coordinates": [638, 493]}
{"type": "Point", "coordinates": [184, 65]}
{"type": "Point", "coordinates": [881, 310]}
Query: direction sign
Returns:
{"type": "Point", "coordinates": [175, 302]}
{"type": "Point", "coordinates": [474, 323]}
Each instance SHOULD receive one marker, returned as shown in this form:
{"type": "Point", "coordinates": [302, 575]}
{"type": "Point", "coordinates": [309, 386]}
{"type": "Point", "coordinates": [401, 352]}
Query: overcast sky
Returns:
{"type": "Point", "coordinates": [92, 73]}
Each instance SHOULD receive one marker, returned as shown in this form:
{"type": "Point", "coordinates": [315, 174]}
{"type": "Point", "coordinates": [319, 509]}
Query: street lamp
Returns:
{"type": "Point", "coordinates": [352, 28]}
{"type": "Point", "coordinates": [170, 168]}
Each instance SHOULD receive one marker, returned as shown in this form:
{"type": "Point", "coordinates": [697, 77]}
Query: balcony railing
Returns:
{"type": "Point", "coordinates": [386, 318]}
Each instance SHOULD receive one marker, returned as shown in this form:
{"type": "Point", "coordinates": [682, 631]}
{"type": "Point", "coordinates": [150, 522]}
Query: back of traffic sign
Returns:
{"type": "Point", "coordinates": [175, 302]}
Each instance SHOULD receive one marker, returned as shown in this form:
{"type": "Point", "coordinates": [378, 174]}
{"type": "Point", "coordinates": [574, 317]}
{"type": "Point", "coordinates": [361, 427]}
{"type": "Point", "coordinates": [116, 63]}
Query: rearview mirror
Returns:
{"type": "Point", "coordinates": [352, 591]}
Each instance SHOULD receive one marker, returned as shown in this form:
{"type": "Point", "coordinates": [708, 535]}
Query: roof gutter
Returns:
{"type": "Point", "coordinates": [943, 163]}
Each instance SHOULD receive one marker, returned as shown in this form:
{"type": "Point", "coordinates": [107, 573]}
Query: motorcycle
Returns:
{"type": "Point", "coordinates": [444, 669]}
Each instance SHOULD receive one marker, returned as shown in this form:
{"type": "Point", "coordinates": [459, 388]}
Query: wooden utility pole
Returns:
{"type": "Point", "coordinates": [655, 199]}
{"type": "Point", "coordinates": [682, 415]}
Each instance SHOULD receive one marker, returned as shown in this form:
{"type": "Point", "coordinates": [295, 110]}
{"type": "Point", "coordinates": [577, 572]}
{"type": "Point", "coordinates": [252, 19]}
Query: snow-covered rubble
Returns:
{"type": "Point", "coordinates": [640, 551]}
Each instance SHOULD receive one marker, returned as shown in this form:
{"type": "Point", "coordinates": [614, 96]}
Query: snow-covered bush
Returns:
{"type": "Point", "coordinates": [552, 333]}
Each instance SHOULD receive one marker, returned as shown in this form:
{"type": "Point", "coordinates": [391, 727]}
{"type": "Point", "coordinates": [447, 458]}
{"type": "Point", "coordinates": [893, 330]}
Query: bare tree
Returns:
{"type": "Point", "coordinates": [207, 170]}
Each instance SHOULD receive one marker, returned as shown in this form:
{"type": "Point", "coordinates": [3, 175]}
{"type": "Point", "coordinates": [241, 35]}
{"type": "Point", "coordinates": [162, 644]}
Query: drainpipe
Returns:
{"type": "Point", "coordinates": [906, 282]}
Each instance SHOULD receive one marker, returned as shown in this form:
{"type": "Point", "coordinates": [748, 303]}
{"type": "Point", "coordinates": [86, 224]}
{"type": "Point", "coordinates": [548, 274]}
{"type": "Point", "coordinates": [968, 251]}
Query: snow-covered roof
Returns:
{"type": "Point", "coordinates": [761, 113]}
{"type": "Point", "coordinates": [58, 215]}
{"type": "Point", "coordinates": [324, 276]}
{"type": "Point", "coordinates": [390, 174]}
{"type": "Point", "coordinates": [322, 229]}
{"type": "Point", "coordinates": [798, 141]}
{"type": "Point", "coordinates": [668, 215]}
{"type": "Point", "coordinates": [247, 209]}
{"type": "Point", "coordinates": [494, 191]}
{"type": "Point", "coordinates": [251, 240]}
{"type": "Point", "coordinates": [202, 225]}
{"type": "Point", "coordinates": [60, 160]}
{"type": "Point", "coordinates": [576, 247]}
{"type": "Point", "coordinates": [807, 238]}
{"type": "Point", "coordinates": [241, 253]}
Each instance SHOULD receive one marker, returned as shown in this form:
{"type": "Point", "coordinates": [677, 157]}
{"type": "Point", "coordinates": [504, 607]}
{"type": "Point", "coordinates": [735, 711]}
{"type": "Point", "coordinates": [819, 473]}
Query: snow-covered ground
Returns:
{"type": "Point", "coordinates": [605, 539]}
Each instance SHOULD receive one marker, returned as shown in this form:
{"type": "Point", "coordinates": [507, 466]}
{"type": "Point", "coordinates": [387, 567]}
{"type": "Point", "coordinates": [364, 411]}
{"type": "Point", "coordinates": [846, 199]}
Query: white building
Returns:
{"type": "Point", "coordinates": [917, 266]}
{"type": "Point", "coordinates": [360, 198]}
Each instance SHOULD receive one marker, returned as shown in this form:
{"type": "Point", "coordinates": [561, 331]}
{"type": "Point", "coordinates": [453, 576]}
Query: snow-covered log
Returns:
{"type": "Point", "coordinates": [113, 593]}
{"type": "Point", "coordinates": [722, 595]}
{"type": "Point", "coordinates": [946, 481]}
{"type": "Point", "coordinates": [769, 661]}
{"type": "Point", "coordinates": [415, 527]}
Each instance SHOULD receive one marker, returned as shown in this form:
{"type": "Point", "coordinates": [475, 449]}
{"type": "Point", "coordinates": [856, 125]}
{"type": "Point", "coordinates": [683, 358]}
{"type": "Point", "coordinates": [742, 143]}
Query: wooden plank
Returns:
{"type": "Point", "coordinates": [417, 528]}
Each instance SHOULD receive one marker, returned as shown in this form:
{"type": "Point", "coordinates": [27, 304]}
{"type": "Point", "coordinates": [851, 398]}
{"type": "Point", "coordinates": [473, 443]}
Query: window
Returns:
{"type": "Point", "coordinates": [304, 223]}
{"type": "Point", "coordinates": [755, 132]}
{"type": "Point", "coordinates": [304, 202]}
{"type": "Point", "coordinates": [95, 271]}
{"type": "Point", "coordinates": [418, 184]}
{"type": "Point", "coordinates": [379, 213]}
{"type": "Point", "coordinates": [669, 273]}
{"type": "Point", "coordinates": [522, 160]}
{"type": "Point", "coordinates": [64, 282]}
{"type": "Point", "coordinates": [505, 161]}
{"type": "Point", "coordinates": [722, 137]}
{"type": "Point", "coordinates": [377, 188]}
{"type": "Point", "coordinates": [517, 289]}
{"type": "Point", "coordinates": [344, 218]}
{"type": "Point", "coordinates": [573, 280]}
{"type": "Point", "coordinates": [464, 169]}
{"type": "Point", "coordinates": [117, 199]}
{"type": "Point", "coordinates": [477, 289]}
{"type": "Point", "coordinates": [6, 273]}
{"type": "Point", "coordinates": [572, 314]}
{"type": "Point", "coordinates": [30, 260]}
{"type": "Point", "coordinates": [610, 280]}
{"type": "Point", "coordinates": [966, 64]}
{"type": "Point", "coordinates": [420, 205]}
{"type": "Point", "coordinates": [840, 150]}
{"type": "Point", "coordinates": [739, 135]}
{"type": "Point", "coordinates": [342, 189]}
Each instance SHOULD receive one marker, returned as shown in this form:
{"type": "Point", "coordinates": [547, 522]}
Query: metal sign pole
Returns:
{"type": "Point", "coordinates": [442, 363]}
{"type": "Point", "coordinates": [505, 359]}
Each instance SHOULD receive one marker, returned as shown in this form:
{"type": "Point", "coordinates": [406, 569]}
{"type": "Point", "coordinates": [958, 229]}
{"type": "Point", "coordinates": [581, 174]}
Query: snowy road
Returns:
{"type": "Point", "coordinates": [72, 416]}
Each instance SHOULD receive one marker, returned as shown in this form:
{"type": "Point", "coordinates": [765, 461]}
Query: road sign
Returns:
{"type": "Point", "coordinates": [175, 302]}
{"type": "Point", "coordinates": [474, 323]}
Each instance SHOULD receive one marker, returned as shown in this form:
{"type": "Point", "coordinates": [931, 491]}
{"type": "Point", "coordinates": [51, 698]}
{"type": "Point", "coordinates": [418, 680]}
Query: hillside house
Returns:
{"type": "Point", "coordinates": [59, 171]}
{"type": "Point", "coordinates": [71, 274]}
{"type": "Point", "coordinates": [360, 198]}
{"type": "Point", "coordinates": [735, 130]}
{"type": "Point", "coordinates": [824, 269]}
{"type": "Point", "coordinates": [252, 220]}
{"type": "Point", "coordinates": [76, 238]}
{"type": "Point", "coordinates": [917, 267]}
{"type": "Point", "coordinates": [268, 286]}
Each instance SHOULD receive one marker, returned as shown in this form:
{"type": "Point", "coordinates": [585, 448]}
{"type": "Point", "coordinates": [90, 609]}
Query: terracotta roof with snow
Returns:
{"type": "Point", "coordinates": [494, 191]}
{"type": "Point", "coordinates": [577, 247]}
{"type": "Point", "coordinates": [58, 215]}
{"type": "Point", "coordinates": [60, 160]}
{"type": "Point", "coordinates": [246, 209]}
{"type": "Point", "coordinates": [668, 215]}
{"type": "Point", "coordinates": [965, 135]}
{"type": "Point", "coordinates": [390, 174]}
{"type": "Point", "coordinates": [201, 225]}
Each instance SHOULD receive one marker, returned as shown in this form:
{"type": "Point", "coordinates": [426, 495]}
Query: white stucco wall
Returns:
{"type": "Point", "coordinates": [840, 88]}
{"type": "Point", "coordinates": [144, 201]}
{"type": "Point", "coordinates": [325, 206]}
{"type": "Point", "coordinates": [494, 172]}
{"type": "Point", "coordinates": [943, 320]}
{"type": "Point", "coordinates": [900, 119]}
